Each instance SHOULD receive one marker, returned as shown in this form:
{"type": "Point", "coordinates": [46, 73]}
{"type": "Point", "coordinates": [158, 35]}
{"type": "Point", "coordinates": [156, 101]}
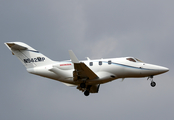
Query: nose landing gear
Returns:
{"type": "Point", "coordinates": [153, 84]}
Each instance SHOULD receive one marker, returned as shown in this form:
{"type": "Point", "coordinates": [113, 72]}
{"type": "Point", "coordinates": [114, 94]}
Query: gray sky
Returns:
{"type": "Point", "coordinates": [95, 29]}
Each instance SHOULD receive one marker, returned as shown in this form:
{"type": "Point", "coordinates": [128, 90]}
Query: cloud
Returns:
{"type": "Point", "coordinates": [102, 47]}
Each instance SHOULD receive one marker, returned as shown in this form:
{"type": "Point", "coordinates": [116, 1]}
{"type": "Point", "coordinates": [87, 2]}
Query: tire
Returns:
{"type": "Point", "coordinates": [86, 93]}
{"type": "Point", "coordinates": [153, 84]}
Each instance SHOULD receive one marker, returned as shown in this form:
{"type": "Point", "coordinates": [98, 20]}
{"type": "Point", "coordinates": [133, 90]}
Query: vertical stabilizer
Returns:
{"type": "Point", "coordinates": [28, 55]}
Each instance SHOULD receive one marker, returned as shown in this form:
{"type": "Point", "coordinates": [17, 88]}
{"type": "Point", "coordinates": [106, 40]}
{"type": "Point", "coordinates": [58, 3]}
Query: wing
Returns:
{"type": "Point", "coordinates": [81, 71]}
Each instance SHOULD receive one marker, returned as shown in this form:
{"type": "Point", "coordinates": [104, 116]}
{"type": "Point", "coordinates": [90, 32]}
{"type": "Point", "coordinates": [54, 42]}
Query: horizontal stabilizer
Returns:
{"type": "Point", "coordinates": [15, 46]}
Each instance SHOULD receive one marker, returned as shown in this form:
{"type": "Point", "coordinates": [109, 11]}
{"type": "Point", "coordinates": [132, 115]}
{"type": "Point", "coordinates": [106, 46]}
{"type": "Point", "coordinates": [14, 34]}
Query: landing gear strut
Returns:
{"type": "Point", "coordinates": [153, 84]}
{"type": "Point", "coordinates": [83, 85]}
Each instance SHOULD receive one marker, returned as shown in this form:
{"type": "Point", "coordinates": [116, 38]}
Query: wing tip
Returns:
{"type": "Point", "coordinates": [73, 57]}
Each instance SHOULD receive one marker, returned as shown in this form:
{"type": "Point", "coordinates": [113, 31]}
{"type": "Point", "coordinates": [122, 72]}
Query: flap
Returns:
{"type": "Point", "coordinates": [84, 71]}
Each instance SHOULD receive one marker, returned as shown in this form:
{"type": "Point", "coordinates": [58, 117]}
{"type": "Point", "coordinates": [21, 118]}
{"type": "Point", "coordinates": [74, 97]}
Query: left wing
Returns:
{"type": "Point", "coordinates": [81, 70]}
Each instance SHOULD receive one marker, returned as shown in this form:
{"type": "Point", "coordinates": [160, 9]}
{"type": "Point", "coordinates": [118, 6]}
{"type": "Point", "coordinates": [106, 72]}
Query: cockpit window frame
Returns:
{"type": "Point", "coordinates": [138, 60]}
{"type": "Point", "coordinates": [131, 59]}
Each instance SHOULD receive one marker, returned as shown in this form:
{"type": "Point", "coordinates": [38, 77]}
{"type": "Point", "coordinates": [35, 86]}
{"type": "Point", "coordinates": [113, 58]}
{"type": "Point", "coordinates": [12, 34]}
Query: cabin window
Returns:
{"type": "Point", "coordinates": [100, 62]}
{"type": "Point", "coordinates": [109, 62]}
{"type": "Point", "coordinates": [91, 63]}
{"type": "Point", "coordinates": [130, 59]}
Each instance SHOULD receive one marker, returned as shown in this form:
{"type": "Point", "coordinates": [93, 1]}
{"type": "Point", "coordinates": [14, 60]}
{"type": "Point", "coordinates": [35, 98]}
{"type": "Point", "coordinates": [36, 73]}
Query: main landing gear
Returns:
{"type": "Point", "coordinates": [83, 86]}
{"type": "Point", "coordinates": [86, 93]}
{"type": "Point", "coordinates": [153, 84]}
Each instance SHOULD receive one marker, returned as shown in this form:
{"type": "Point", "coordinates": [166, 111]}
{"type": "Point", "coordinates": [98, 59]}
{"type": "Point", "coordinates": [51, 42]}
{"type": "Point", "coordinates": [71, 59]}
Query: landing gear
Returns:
{"type": "Point", "coordinates": [153, 84]}
{"type": "Point", "coordinates": [86, 88]}
{"type": "Point", "coordinates": [82, 85]}
{"type": "Point", "coordinates": [86, 93]}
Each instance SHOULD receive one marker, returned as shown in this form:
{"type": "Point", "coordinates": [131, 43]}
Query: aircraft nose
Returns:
{"type": "Point", "coordinates": [163, 69]}
{"type": "Point", "coordinates": [155, 69]}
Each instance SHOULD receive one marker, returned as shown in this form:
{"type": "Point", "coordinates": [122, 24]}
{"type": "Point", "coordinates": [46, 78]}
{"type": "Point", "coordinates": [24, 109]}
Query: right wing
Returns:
{"type": "Point", "coordinates": [81, 71]}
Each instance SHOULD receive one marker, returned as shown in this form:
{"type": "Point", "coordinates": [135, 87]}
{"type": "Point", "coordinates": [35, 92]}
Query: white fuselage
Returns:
{"type": "Point", "coordinates": [85, 75]}
{"type": "Point", "coordinates": [106, 69]}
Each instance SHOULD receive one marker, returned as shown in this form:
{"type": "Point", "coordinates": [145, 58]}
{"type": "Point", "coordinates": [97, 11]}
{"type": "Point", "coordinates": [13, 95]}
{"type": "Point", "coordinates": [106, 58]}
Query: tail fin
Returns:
{"type": "Point", "coordinates": [28, 55]}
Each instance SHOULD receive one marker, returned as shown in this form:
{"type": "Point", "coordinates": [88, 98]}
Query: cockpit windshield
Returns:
{"type": "Point", "coordinates": [130, 59]}
{"type": "Point", "coordinates": [133, 59]}
{"type": "Point", "coordinates": [138, 60]}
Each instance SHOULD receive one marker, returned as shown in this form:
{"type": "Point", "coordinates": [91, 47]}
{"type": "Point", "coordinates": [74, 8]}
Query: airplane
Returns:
{"type": "Point", "coordinates": [86, 75]}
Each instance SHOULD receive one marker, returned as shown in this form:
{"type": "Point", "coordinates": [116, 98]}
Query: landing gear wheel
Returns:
{"type": "Point", "coordinates": [153, 84]}
{"type": "Point", "coordinates": [82, 85]}
{"type": "Point", "coordinates": [86, 93]}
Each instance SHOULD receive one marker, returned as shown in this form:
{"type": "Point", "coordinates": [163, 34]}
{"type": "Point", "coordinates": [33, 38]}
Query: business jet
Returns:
{"type": "Point", "coordinates": [86, 75]}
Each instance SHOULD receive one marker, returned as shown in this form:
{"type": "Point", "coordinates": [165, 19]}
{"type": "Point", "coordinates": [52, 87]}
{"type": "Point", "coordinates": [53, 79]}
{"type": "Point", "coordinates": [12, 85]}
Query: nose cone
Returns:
{"type": "Point", "coordinates": [160, 69]}
{"type": "Point", "coordinates": [154, 69]}
{"type": "Point", "coordinates": [163, 69]}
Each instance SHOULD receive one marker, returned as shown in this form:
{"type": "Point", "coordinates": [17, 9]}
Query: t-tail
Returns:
{"type": "Point", "coordinates": [28, 55]}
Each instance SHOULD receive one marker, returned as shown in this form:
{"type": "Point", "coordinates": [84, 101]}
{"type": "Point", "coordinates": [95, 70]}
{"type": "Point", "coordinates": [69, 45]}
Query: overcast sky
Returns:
{"type": "Point", "coordinates": [94, 29]}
